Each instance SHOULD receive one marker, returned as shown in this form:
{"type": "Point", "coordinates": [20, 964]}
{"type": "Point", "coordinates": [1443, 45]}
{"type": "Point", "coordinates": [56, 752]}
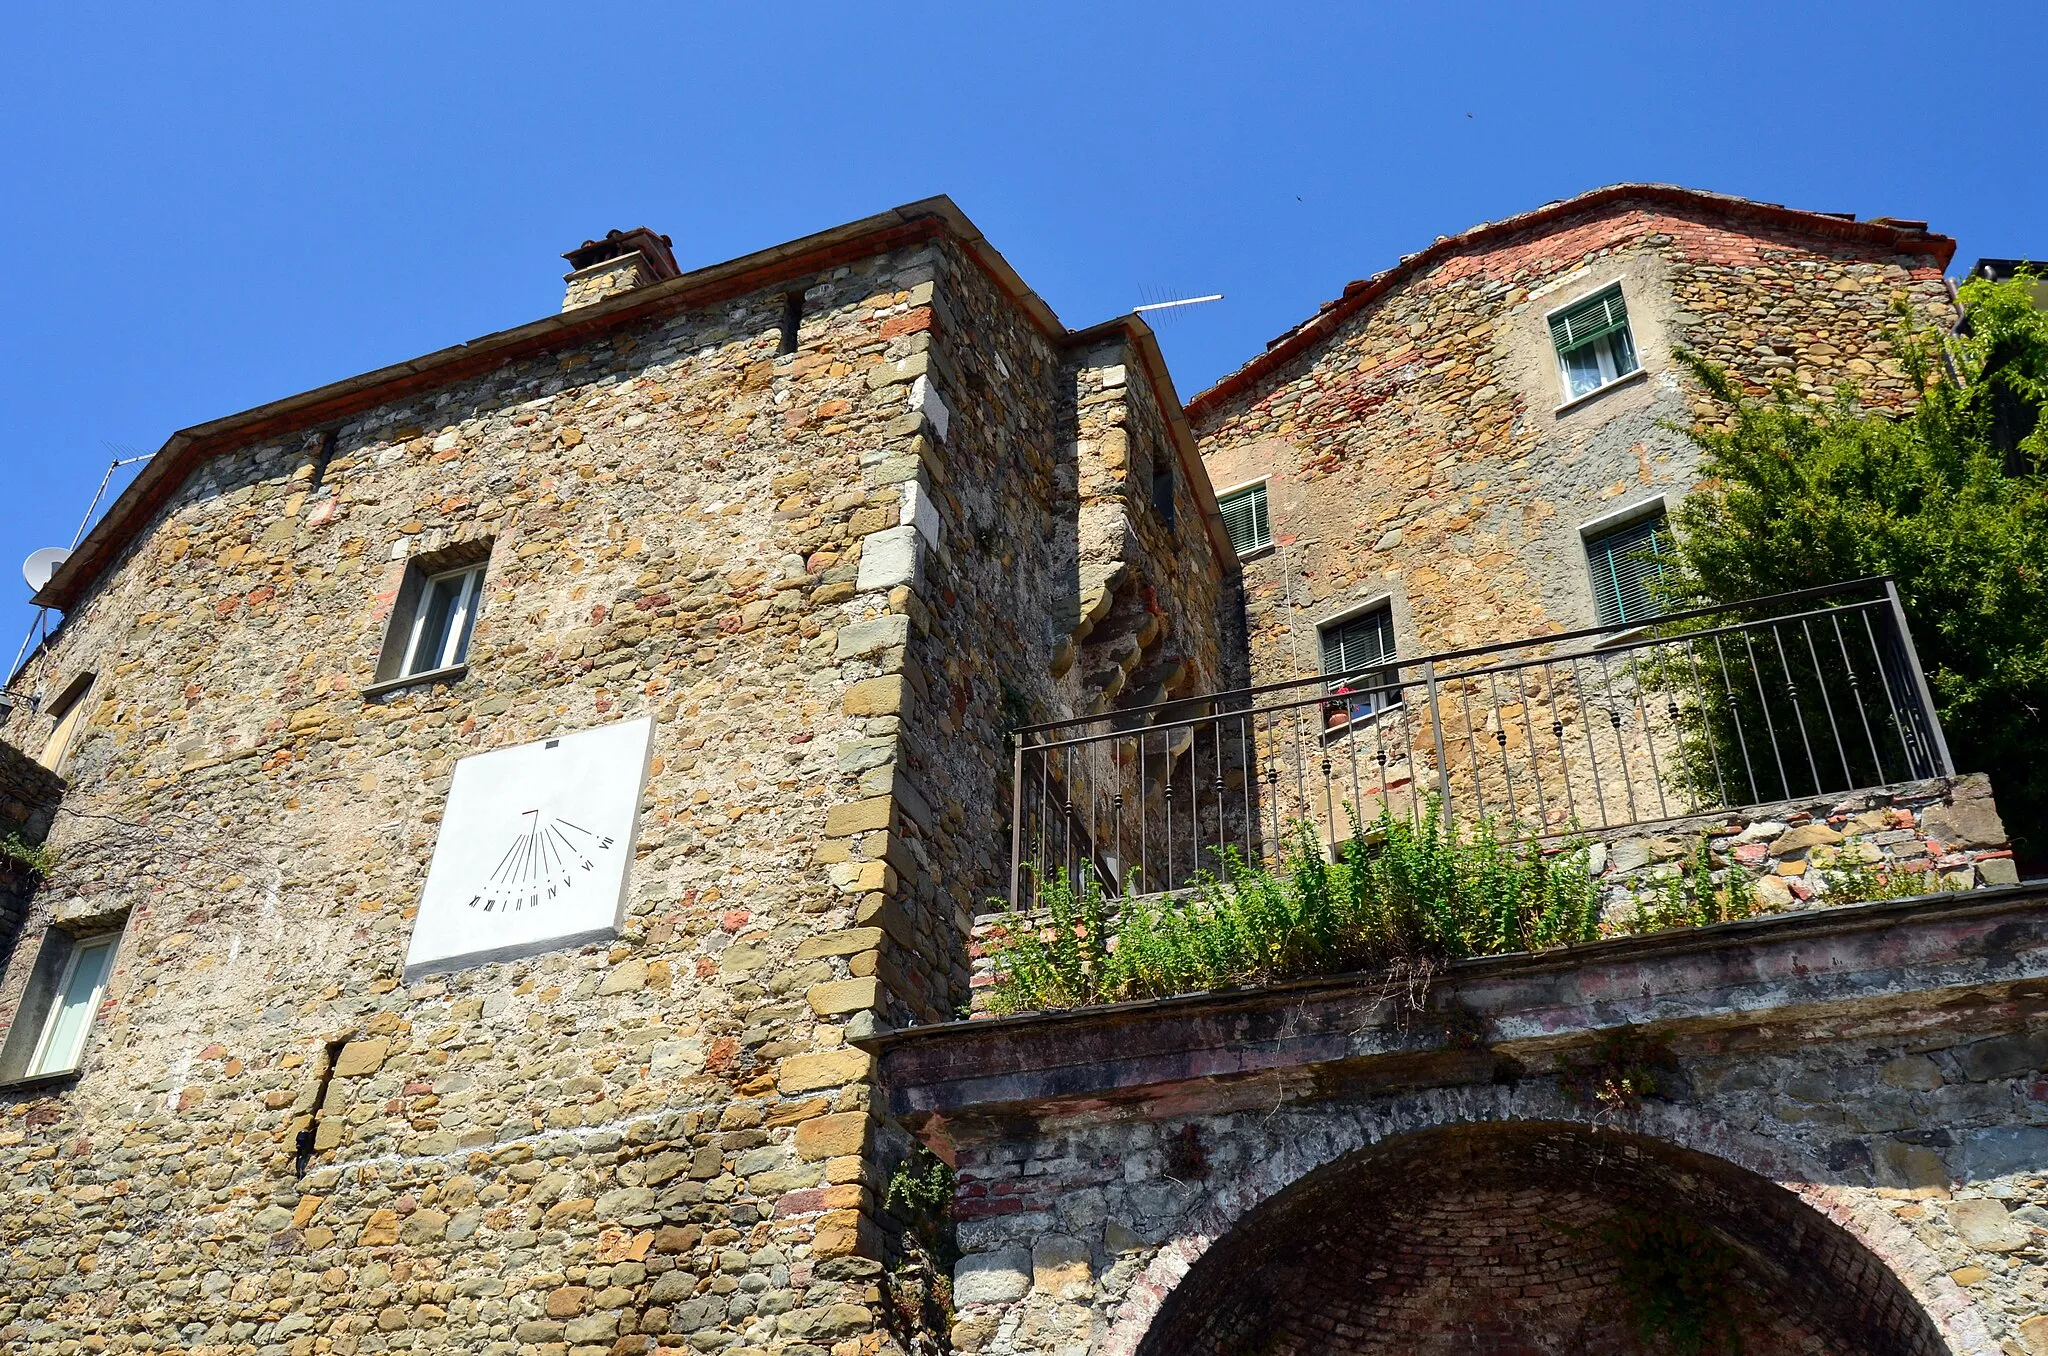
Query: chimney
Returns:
{"type": "Point", "coordinates": [620, 262]}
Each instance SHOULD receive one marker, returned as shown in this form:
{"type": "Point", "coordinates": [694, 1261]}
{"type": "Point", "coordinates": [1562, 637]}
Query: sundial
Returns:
{"type": "Point", "coordinates": [535, 848]}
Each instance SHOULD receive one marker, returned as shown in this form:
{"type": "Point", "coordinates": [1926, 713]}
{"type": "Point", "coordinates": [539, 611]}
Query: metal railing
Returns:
{"type": "Point", "coordinates": [1809, 693]}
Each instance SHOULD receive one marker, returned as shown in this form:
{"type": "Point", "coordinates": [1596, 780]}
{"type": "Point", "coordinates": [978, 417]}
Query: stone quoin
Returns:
{"type": "Point", "coordinates": [834, 519]}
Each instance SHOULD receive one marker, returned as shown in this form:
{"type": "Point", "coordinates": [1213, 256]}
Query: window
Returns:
{"type": "Point", "coordinates": [1627, 564]}
{"type": "Point", "coordinates": [69, 709]}
{"type": "Point", "coordinates": [435, 614]}
{"type": "Point", "coordinates": [1245, 519]}
{"type": "Point", "coordinates": [1162, 495]}
{"type": "Point", "coordinates": [1358, 643]}
{"type": "Point", "coordinates": [792, 322]}
{"type": "Point", "coordinates": [1594, 346]}
{"type": "Point", "coordinates": [50, 1027]}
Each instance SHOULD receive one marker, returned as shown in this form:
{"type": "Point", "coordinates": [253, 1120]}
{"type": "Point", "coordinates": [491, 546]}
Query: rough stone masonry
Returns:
{"type": "Point", "coordinates": [837, 516]}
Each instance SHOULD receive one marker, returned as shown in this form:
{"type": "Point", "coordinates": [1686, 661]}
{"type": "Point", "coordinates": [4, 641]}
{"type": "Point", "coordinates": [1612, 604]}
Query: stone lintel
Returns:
{"type": "Point", "coordinates": [1929, 962]}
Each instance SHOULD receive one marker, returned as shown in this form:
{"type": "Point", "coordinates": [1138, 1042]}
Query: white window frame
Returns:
{"type": "Point", "coordinates": [1658, 507]}
{"type": "Point", "coordinates": [453, 650]}
{"type": "Point", "coordinates": [105, 942]}
{"type": "Point", "coordinates": [1603, 347]}
{"type": "Point", "coordinates": [1375, 703]}
{"type": "Point", "coordinates": [1244, 487]}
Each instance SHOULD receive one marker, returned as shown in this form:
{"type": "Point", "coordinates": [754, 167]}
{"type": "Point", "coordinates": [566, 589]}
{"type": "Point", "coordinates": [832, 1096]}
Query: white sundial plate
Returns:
{"type": "Point", "coordinates": [535, 848]}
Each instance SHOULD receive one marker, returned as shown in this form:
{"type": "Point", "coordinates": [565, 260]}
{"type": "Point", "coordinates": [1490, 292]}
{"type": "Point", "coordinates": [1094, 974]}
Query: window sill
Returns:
{"type": "Point", "coordinates": [1639, 374]}
{"type": "Point", "coordinates": [1256, 553]}
{"type": "Point", "coordinates": [389, 685]}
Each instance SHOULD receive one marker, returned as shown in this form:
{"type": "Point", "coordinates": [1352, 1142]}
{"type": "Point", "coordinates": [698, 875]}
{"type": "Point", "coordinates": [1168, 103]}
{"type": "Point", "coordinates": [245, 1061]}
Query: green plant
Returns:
{"type": "Point", "coordinates": [1620, 1071]}
{"type": "Point", "coordinates": [1950, 499]}
{"type": "Point", "coordinates": [1678, 1280]}
{"type": "Point", "coordinates": [920, 1284]}
{"type": "Point", "coordinates": [1693, 897]}
{"type": "Point", "coordinates": [1397, 896]}
{"type": "Point", "coordinates": [31, 857]}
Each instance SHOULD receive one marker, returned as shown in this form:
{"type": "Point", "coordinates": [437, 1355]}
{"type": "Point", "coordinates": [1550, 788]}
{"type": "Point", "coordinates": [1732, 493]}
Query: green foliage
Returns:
{"type": "Point", "coordinates": [1402, 894]}
{"type": "Point", "coordinates": [1950, 499]}
{"type": "Point", "coordinates": [31, 857]}
{"type": "Point", "coordinates": [1624, 1068]}
{"type": "Point", "coordinates": [1693, 898]}
{"type": "Point", "coordinates": [1678, 1279]}
{"type": "Point", "coordinates": [920, 1284]}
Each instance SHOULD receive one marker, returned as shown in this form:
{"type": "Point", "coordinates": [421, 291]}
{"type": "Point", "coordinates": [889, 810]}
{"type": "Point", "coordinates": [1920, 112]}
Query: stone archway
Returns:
{"type": "Point", "coordinates": [1487, 1240]}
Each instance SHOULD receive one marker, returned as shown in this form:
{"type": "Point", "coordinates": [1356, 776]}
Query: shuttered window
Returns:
{"type": "Point", "coordinates": [1594, 345]}
{"type": "Point", "coordinates": [1355, 644]}
{"type": "Point", "coordinates": [1245, 519]}
{"type": "Point", "coordinates": [1626, 564]}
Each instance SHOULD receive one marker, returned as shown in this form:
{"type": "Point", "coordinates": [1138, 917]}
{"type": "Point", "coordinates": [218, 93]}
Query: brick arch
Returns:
{"type": "Point", "coordinates": [1801, 1239]}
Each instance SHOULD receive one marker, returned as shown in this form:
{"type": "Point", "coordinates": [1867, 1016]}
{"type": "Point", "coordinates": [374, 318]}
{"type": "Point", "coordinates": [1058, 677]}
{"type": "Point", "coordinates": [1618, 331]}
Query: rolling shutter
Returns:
{"type": "Point", "coordinates": [1589, 320]}
{"type": "Point", "coordinates": [1245, 520]}
{"type": "Point", "coordinates": [1359, 643]}
{"type": "Point", "coordinates": [1626, 564]}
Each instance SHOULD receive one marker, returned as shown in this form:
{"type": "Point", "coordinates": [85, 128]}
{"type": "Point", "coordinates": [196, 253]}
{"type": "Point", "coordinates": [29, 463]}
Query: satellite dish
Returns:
{"type": "Point", "coordinates": [40, 565]}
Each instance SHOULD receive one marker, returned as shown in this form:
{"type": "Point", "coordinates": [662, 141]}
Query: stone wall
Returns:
{"type": "Point", "coordinates": [656, 1142]}
{"type": "Point", "coordinates": [1421, 452]}
{"type": "Point", "coordinates": [1851, 1101]}
{"type": "Point", "coordinates": [29, 794]}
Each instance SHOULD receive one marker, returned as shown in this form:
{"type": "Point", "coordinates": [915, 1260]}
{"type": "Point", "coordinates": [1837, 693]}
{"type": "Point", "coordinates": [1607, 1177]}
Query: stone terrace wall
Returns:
{"type": "Point", "coordinates": [1420, 452]}
{"type": "Point", "coordinates": [1923, 837]}
{"type": "Point", "coordinates": [1914, 838]}
{"type": "Point", "coordinates": [655, 1143]}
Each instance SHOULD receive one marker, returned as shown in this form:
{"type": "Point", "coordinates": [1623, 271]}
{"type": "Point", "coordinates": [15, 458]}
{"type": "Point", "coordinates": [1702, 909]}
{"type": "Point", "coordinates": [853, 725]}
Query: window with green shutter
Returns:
{"type": "Point", "coordinates": [1359, 643]}
{"type": "Point", "coordinates": [1627, 564]}
{"type": "Point", "coordinates": [1245, 518]}
{"type": "Point", "coordinates": [1593, 342]}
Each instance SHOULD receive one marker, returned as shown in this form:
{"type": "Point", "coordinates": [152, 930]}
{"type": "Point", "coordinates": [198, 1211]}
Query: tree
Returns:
{"type": "Point", "coordinates": [1951, 498]}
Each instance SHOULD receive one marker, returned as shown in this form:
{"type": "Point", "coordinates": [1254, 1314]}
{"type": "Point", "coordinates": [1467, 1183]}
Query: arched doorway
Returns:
{"type": "Point", "coordinates": [1536, 1239]}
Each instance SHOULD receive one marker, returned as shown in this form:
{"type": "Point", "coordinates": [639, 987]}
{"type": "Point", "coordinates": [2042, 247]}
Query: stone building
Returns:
{"type": "Point", "coordinates": [525, 811]}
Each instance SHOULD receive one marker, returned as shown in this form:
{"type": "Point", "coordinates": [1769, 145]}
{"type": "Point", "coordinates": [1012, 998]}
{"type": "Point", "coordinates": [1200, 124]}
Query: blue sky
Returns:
{"type": "Point", "coordinates": [208, 207]}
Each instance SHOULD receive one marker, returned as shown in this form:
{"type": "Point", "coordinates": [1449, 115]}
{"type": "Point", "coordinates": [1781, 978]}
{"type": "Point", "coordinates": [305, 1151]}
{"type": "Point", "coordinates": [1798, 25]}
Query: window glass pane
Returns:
{"type": "Point", "coordinates": [437, 607]}
{"type": "Point", "coordinates": [1355, 644]}
{"type": "Point", "coordinates": [71, 1016]}
{"type": "Point", "coordinates": [471, 603]}
{"type": "Point", "coordinates": [1624, 350]}
{"type": "Point", "coordinates": [1581, 371]}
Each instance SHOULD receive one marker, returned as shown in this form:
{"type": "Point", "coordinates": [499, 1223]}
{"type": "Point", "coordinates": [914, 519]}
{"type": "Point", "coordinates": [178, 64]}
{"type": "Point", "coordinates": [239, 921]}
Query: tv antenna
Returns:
{"type": "Point", "coordinates": [41, 565]}
{"type": "Point", "coordinates": [1176, 302]}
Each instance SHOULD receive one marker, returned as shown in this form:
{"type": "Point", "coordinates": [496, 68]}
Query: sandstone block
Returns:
{"type": "Point", "coordinates": [1967, 823]}
{"type": "Point", "coordinates": [827, 1069]}
{"type": "Point", "coordinates": [360, 1059]}
{"type": "Point", "coordinates": [842, 995]}
{"type": "Point", "coordinates": [1998, 871]}
{"type": "Point", "coordinates": [875, 697]}
{"type": "Point", "coordinates": [848, 942]}
{"type": "Point", "coordinates": [380, 1229]}
{"type": "Point", "coordinates": [832, 1136]}
{"type": "Point", "coordinates": [860, 816]}
{"type": "Point", "coordinates": [1803, 837]}
{"type": "Point", "coordinates": [1985, 1223]}
{"type": "Point", "coordinates": [868, 637]}
{"type": "Point", "coordinates": [1060, 1267]}
{"type": "Point", "coordinates": [896, 373]}
{"type": "Point", "coordinates": [624, 977]}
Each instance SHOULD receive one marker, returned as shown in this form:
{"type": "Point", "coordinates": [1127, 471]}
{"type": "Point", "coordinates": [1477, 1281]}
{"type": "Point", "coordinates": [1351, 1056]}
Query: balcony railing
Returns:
{"type": "Point", "coordinates": [1801, 694]}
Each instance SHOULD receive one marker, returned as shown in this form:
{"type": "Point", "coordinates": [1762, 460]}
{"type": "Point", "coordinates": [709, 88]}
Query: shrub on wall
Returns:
{"type": "Point", "coordinates": [1951, 500]}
